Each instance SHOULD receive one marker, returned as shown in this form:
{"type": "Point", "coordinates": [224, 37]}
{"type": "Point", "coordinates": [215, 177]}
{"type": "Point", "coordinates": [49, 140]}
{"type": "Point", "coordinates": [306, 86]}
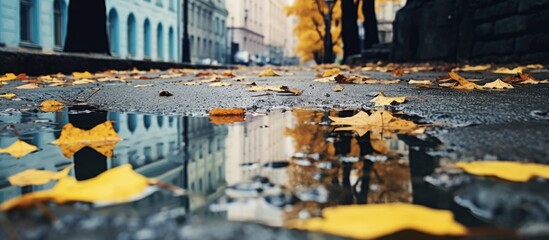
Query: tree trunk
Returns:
{"type": "Point", "coordinates": [351, 40]}
{"type": "Point", "coordinates": [87, 27]}
{"type": "Point", "coordinates": [370, 24]}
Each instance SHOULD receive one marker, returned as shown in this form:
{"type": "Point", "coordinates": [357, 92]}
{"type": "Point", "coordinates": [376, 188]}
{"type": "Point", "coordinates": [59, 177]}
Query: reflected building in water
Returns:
{"type": "Point", "coordinates": [257, 142]}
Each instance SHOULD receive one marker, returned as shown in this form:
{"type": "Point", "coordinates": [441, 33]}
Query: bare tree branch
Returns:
{"type": "Point", "coordinates": [319, 9]}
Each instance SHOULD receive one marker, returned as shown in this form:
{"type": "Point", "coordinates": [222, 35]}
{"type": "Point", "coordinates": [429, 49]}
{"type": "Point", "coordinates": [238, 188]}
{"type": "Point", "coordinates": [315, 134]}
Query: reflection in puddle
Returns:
{"type": "Point", "coordinates": [268, 169]}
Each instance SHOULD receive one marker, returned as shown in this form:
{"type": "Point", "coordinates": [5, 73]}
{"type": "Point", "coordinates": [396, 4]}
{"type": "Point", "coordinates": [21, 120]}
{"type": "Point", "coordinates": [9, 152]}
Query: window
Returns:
{"type": "Point", "coordinates": [160, 41]}
{"type": "Point", "coordinates": [59, 20]}
{"type": "Point", "coordinates": [131, 35]}
{"type": "Point", "coordinates": [113, 31]}
{"type": "Point", "coordinates": [28, 21]}
{"type": "Point", "coordinates": [147, 36]}
{"type": "Point", "coordinates": [172, 5]}
{"type": "Point", "coordinates": [171, 44]}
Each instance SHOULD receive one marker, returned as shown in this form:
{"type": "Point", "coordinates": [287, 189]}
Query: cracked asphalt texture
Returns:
{"type": "Point", "coordinates": [475, 125]}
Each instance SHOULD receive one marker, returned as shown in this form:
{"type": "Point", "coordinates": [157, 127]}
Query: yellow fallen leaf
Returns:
{"type": "Point", "coordinates": [80, 75]}
{"type": "Point", "coordinates": [378, 121]}
{"type": "Point", "coordinates": [37, 177]}
{"type": "Point", "coordinates": [379, 220]}
{"type": "Point", "coordinates": [19, 149]}
{"type": "Point", "coordinates": [51, 106]}
{"type": "Point", "coordinates": [468, 68]}
{"type": "Point", "coordinates": [338, 88]}
{"type": "Point", "coordinates": [102, 138]}
{"type": "Point", "coordinates": [511, 171]}
{"type": "Point", "coordinates": [449, 85]}
{"type": "Point", "coordinates": [464, 84]}
{"type": "Point", "coordinates": [382, 100]}
{"type": "Point", "coordinates": [498, 84]}
{"type": "Point", "coordinates": [117, 185]}
{"type": "Point", "coordinates": [504, 70]}
{"type": "Point", "coordinates": [143, 86]}
{"type": "Point", "coordinates": [280, 89]}
{"type": "Point", "coordinates": [8, 96]}
{"type": "Point", "coordinates": [83, 81]}
{"type": "Point", "coordinates": [269, 73]}
{"type": "Point", "coordinates": [331, 72]}
{"type": "Point", "coordinates": [220, 84]}
{"type": "Point", "coordinates": [8, 77]}
{"type": "Point", "coordinates": [326, 79]}
{"type": "Point", "coordinates": [28, 86]}
{"type": "Point", "coordinates": [420, 82]}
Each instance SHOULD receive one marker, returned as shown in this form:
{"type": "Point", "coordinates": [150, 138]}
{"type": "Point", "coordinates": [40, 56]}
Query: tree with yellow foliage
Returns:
{"type": "Point", "coordinates": [310, 28]}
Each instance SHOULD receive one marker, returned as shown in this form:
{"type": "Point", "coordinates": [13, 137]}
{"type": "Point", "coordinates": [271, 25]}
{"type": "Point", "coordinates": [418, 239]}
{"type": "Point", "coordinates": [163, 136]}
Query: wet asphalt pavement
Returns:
{"type": "Point", "coordinates": [475, 125]}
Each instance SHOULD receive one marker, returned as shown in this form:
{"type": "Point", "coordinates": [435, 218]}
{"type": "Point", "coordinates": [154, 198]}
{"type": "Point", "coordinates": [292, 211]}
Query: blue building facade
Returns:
{"type": "Point", "coordinates": [138, 29]}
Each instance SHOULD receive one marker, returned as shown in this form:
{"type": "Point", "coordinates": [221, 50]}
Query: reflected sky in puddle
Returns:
{"type": "Point", "coordinates": [271, 168]}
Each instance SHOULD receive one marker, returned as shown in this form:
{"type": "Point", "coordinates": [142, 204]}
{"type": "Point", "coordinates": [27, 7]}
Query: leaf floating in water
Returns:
{"type": "Point", "coordinates": [102, 138]}
{"type": "Point", "coordinates": [19, 149]}
{"type": "Point", "coordinates": [379, 220]}
{"type": "Point", "coordinates": [511, 171]}
{"type": "Point", "coordinates": [37, 177]}
{"type": "Point", "coordinates": [51, 106]}
{"type": "Point", "coordinates": [377, 121]}
{"type": "Point", "coordinates": [117, 185]}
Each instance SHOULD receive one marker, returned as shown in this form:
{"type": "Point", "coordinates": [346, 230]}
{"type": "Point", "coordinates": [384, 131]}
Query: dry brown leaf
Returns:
{"type": "Point", "coordinates": [37, 177]}
{"type": "Point", "coordinates": [382, 100]}
{"type": "Point", "coordinates": [51, 106]}
{"type": "Point", "coordinates": [497, 84]}
{"type": "Point", "coordinates": [204, 74]}
{"type": "Point", "coordinates": [19, 149]}
{"type": "Point", "coordinates": [464, 84]}
{"type": "Point", "coordinates": [227, 112]}
{"type": "Point", "coordinates": [397, 72]}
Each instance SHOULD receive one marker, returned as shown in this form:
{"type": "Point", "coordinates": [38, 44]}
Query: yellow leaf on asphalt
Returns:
{"type": "Point", "coordinates": [143, 86]}
{"type": "Point", "coordinates": [498, 84]}
{"type": "Point", "coordinates": [102, 138]}
{"type": "Point", "coordinates": [379, 220]}
{"type": "Point", "coordinates": [280, 89]}
{"type": "Point", "coordinates": [269, 73]}
{"type": "Point", "coordinates": [83, 81]}
{"type": "Point", "coordinates": [28, 86]}
{"type": "Point", "coordinates": [8, 77]}
{"type": "Point", "coordinates": [449, 85]}
{"type": "Point", "coordinates": [326, 79]}
{"type": "Point", "coordinates": [117, 185]}
{"type": "Point", "coordinates": [382, 100]}
{"type": "Point", "coordinates": [37, 177]}
{"type": "Point", "coordinates": [504, 70]}
{"type": "Point", "coordinates": [383, 82]}
{"type": "Point", "coordinates": [19, 149]}
{"type": "Point", "coordinates": [511, 171]}
{"type": "Point", "coordinates": [220, 84]}
{"type": "Point", "coordinates": [420, 82]}
{"type": "Point", "coordinates": [469, 68]}
{"type": "Point", "coordinates": [330, 72]}
{"type": "Point", "coordinates": [464, 84]}
{"type": "Point", "coordinates": [8, 96]}
{"type": "Point", "coordinates": [51, 106]}
{"type": "Point", "coordinates": [80, 75]}
{"type": "Point", "coordinates": [338, 88]}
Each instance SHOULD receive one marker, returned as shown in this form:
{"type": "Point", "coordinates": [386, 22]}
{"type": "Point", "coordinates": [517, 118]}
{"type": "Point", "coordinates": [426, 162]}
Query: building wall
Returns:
{"type": "Point", "coordinates": [385, 14]}
{"type": "Point", "coordinates": [162, 12]}
{"type": "Point", "coordinates": [246, 25]}
{"type": "Point", "coordinates": [275, 30]}
{"type": "Point", "coordinates": [207, 30]}
{"type": "Point", "coordinates": [43, 25]}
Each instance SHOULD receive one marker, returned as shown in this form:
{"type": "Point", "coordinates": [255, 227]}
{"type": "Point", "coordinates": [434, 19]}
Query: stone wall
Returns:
{"type": "Point", "coordinates": [500, 31]}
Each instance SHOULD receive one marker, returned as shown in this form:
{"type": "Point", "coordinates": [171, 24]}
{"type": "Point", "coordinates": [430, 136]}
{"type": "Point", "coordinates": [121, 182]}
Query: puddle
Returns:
{"type": "Point", "coordinates": [269, 169]}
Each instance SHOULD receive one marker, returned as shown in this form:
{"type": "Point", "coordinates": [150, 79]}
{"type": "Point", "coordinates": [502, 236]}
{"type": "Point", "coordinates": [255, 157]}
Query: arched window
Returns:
{"type": "Point", "coordinates": [160, 41]}
{"type": "Point", "coordinates": [113, 32]}
{"type": "Point", "coordinates": [28, 21]}
{"type": "Point", "coordinates": [132, 36]}
{"type": "Point", "coordinates": [171, 44]}
{"type": "Point", "coordinates": [59, 22]}
{"type": "Point", "coordinates": [147, 36]}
